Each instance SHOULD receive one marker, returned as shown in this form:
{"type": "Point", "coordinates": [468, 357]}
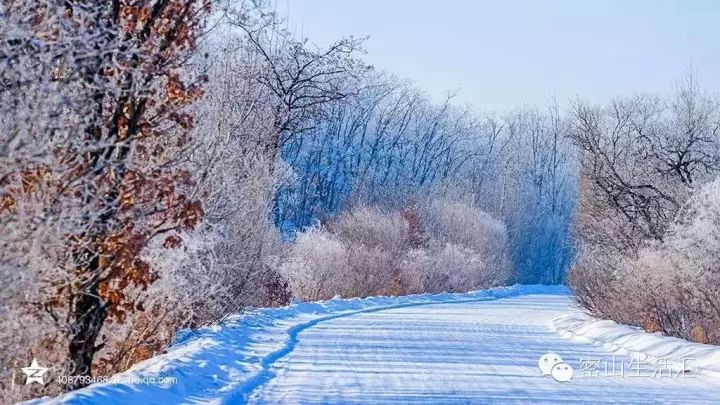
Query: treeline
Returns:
{"type": "Point", "coordinates": [387, 144]}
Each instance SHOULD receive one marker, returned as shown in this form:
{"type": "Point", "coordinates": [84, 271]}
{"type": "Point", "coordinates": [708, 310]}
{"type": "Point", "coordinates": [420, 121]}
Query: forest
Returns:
{"type": "Point", "coordinates": [167, 163]}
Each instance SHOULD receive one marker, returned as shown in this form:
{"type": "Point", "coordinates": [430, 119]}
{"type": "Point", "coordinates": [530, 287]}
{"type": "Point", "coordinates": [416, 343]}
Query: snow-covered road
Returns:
{"type": "Point", "coordinates": [480, 352]}
{"type": "Point", "coordinates": [480, 347]}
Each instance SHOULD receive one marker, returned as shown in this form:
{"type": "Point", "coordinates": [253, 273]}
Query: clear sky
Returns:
{"type": "Point", "coordinates": [503, 53]}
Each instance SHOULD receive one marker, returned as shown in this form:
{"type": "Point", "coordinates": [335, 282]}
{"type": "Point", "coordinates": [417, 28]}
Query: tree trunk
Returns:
{"type": "Point", "coordinates": [88, 317]}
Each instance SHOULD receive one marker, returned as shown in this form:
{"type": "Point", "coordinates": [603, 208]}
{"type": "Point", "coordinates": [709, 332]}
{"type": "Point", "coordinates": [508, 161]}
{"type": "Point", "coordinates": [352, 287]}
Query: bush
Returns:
{"type": "Point", "coordinates": [672, 286]}
{"type": "Point", "coordinates": [366, 251]}
{"type": "Point", "coordinates": [315, 265]}
{"type": "Point", "coordinates": [455, 225]}
{"type": "Point", "coordinates": [373, 228]}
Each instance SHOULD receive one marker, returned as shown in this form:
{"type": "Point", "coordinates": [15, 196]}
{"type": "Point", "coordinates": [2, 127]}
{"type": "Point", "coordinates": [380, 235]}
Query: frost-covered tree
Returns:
{"type": "Point", "coordinates": [94, 120]}
{"type": "Point", "coordinates": [300, 76]}
{"type": "Point", "coordinates": [381, 145]}
{"type": "Point", "coordinates": [645, 224]}
{"type": "Point", "coordinates": [642, 156]}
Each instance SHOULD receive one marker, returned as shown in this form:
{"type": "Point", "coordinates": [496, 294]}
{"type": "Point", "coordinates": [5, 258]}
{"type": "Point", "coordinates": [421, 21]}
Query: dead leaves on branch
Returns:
{"type": "Point", "coordinates": [29, 183]}
{"type": "Point", "coordinates": [118, 169]}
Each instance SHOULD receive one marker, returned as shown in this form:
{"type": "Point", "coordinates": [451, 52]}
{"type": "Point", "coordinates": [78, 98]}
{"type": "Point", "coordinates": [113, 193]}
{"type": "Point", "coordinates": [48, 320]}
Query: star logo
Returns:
{"type": "Point", "coordinates": [34, 373]}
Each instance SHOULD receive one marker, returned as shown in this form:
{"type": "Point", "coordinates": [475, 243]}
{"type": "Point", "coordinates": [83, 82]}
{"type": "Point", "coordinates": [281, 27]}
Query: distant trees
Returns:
{"type": "Point", "coordinates": [389, 144]}
{"type": "Point", "coordinates": [539, 188]}
{"type": "Point", "coordinates": [386, 142]}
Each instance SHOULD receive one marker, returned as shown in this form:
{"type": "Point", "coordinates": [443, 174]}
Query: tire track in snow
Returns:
{"type": "Point", "coordinates": [246, 391]}
{"type": "Point", "coordinates": [412, 356]}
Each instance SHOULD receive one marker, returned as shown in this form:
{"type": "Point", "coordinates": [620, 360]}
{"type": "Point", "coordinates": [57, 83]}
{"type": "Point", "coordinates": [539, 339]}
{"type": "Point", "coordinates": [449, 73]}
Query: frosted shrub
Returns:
{"type": "Point", "coordinates": [688, 264]}
{"type": "Point", "coordinates": [464, 224]}
{"type": "Point", "coordinates": [695, 238]}
{"type": "Point", "coordinates": [367, 251]}
{"type": "Point", "coordinates": [454, 268]}
{"type": "Point", "coordinates": [372, 228]}
{"type": "Point", "coordinates": [465, 269]}
{"type": "Point", "coordinates": [357, 255]}
{"type": "Point", "coordinates": [594, 278]}
{"type": "Point", "coordinates": [316, 263]}
{"type": "Point", "coordinates": [373, 271]}
{"type": "Point", "coordinates": [672, 286]}
{"type": "Point", "coordinates": [461, 229]}
{"type": "Point", "coordinates": [417, 273]}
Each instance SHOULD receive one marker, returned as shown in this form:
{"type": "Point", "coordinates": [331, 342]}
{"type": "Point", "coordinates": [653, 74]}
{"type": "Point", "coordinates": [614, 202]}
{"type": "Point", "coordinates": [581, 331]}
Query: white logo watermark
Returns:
{"type": "Point", "coordinates": [553, 365]}
{"type": "Point", "coordinates": [34, 373]}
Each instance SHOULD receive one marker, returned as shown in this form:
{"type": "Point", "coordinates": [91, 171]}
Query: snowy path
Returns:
{"type": "Point", "coordinates": [482, 352]}
{"type": "Point", "coordinates": [478, 348]}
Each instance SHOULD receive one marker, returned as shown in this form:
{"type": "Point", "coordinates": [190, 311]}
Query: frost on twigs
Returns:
{"type": "Point", "coordinates": [94, 120]}
{"type": "Point", "coordinates": [649, 217]}
{"type": "Point", "coordinates": [444, 246]}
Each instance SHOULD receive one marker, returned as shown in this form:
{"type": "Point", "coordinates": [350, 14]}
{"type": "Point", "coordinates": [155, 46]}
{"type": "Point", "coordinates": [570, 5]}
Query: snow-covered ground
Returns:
{"type": "Point", "coordinates": [480, 347]}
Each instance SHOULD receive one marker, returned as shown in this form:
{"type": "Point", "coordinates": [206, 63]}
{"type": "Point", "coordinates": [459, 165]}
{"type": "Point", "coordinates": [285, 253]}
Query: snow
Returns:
{"type": "Point", "coordinates": [447, 348]}
{"type": "Point", "coordinates": [632, 341]}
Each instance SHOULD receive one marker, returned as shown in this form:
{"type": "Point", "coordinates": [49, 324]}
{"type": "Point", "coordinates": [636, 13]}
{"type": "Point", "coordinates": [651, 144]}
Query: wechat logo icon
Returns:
{"type": "Point", "coordinates": [553, 365]}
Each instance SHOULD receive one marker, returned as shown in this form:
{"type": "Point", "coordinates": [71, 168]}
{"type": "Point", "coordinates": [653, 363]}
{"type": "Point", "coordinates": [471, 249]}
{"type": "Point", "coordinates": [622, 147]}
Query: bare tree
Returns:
{"type": "Point", "coordinates": [302, 77]}
{"type": "Point", "coordinates": [643, 155]}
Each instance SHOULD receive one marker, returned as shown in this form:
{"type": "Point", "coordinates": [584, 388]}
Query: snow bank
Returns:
{"type": "Point", "coordinates": [651, 347]}
{"type": "Point", "coordinates": [226, 362]}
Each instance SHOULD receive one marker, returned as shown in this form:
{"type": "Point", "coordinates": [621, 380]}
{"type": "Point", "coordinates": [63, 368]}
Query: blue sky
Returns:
{"type": "Point", "coordinates": [501, 54]}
